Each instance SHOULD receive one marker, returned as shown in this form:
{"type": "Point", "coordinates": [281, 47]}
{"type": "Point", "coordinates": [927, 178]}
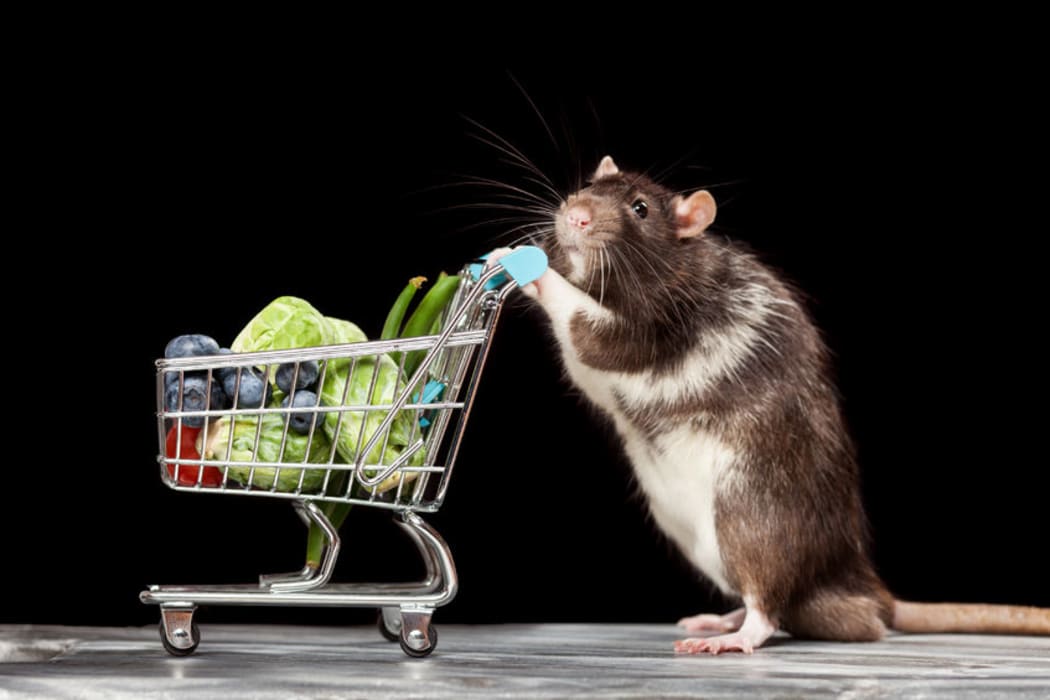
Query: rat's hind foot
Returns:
{"type": "Point", "coordinates": [715, 645]}
{"type": "Point", "coordinates": [755, 630]}
{"type": "Point", "coordinates": [730, 622]}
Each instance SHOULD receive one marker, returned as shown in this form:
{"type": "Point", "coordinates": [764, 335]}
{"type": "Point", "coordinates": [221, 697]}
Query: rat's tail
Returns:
{"type": "Point", "coordinates": [967, 617]}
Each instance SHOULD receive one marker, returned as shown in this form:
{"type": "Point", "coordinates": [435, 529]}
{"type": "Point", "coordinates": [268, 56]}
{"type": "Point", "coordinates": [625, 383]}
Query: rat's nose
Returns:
{"type": "Point", "coordinates": [578, 217]}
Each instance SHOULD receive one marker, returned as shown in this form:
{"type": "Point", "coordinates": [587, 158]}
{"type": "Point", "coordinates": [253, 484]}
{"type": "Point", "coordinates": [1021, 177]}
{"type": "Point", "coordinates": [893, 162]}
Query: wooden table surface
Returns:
{"type": "Point", "coordinates": [535, 661]}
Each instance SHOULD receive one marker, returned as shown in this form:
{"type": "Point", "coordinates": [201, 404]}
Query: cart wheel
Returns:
{"type": "Point", "coordinates": [416, 643]}
{"type": "Point", "coordinates": [195, 639]}
{"type": "Point", "coordinates": [389, 623]}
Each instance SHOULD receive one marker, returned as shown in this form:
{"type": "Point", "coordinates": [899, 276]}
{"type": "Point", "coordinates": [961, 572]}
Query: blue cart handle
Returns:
{"type": "Point", "coordinates": [524, 265]}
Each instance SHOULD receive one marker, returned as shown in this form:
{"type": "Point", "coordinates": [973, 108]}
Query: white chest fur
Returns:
{"type": "Point", "coordinates": [680, 475]}
{"type": "Point", "coordinates": [680, 471]}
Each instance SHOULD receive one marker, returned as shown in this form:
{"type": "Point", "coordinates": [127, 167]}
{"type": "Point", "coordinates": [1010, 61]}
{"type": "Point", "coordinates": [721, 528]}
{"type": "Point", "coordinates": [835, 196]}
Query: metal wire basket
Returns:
{"type": "Point", "coordinates": [379, 439]}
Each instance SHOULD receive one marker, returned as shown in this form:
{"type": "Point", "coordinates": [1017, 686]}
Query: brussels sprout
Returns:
{"type": "Point", "coordinates": [286, 322]}
{"type": "Point", "coordinates": [356, 385]}
{"type": "Point", "coordinates": [344, 332]}
{"type": "Point", "coordinates": [242, 452]}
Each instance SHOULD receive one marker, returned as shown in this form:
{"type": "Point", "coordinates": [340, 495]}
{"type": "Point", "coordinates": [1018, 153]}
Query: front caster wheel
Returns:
{"type": "Point", "coordinates": [185, 642]}
{"type": "Point", "coordinates": [418, 644]}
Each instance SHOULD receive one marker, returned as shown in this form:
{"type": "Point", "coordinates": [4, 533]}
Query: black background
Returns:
{"type": "Point", "coordinates": [177, 196]}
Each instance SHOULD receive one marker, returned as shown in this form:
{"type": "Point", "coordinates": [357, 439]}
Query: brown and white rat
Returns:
{"type": "Point", "coordinates": [717, 383]}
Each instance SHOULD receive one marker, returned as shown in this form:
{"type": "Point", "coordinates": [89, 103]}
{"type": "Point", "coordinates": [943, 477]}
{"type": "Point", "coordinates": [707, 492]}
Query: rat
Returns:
{"type": "Point", "coordinates": [718, 385]}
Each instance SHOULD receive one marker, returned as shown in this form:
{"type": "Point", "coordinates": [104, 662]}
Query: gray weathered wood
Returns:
{"type": "Point", "coordinates": [535, 661]}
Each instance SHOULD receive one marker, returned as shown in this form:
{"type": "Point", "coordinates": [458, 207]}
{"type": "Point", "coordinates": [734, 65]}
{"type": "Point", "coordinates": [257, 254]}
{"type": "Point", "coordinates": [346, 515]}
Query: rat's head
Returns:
{"type": "Point", "coordinates": [625, 233]}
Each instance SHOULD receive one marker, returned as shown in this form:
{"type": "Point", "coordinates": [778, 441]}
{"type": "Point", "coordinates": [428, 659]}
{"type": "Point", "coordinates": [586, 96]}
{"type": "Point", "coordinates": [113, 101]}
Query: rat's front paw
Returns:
{"type": "Point", "coordinates": [494, 256]}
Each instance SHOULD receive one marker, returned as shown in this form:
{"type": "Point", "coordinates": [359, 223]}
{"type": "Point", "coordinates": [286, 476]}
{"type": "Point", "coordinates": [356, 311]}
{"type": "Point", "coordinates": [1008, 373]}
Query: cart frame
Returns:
{"type": "Point", "coordinates": [406, 608]}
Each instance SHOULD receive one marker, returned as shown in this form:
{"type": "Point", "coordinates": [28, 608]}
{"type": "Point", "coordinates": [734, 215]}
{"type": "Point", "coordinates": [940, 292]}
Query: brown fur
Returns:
{"type": "Point", "coordinates": [839, 615]}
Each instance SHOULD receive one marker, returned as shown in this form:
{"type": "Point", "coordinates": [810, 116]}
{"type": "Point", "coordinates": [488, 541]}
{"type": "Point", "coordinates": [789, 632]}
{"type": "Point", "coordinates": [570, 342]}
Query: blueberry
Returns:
{"type": "Point", "coordinates": [191, 345]}
{"type": "Point", "coordinates": [300, 422]}
{"type": "Point", "coordinates": [308, 373]}
{"type": "Point", "coordinates": [223, 372]}
{"type": "Point", "coordinates": [194, 398]}
{"type": "Point", "coordinates": [252, 391]}
{"type": "Point", "coordinates": [171, 379]}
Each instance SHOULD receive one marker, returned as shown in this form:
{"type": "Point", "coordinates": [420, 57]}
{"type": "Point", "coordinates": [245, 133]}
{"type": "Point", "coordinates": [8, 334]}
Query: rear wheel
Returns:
{"type": "Point", "coordinates": [389, 624]}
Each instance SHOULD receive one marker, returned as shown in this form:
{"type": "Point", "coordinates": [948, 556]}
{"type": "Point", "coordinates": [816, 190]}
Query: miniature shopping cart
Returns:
{"type": "Point", "coordinates": [405, 432]}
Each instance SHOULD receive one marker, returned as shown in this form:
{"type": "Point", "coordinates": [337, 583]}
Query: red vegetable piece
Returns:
{"type": "Point", "coordinates": [188, 474]}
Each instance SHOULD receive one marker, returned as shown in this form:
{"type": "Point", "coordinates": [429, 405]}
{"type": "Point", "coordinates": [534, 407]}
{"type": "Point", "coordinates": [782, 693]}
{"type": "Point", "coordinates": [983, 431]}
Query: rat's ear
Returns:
{"type": "Point", "coordinates": [605, 169]}
{"type": "Point", "coordinates": [693, 214]}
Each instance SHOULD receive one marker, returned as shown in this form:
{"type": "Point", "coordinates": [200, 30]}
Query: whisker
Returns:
{"type": "Point", "coordinates": [479, 181]}
{"type": "Point", "coordinates": [722, 183]}
{"type": "Point", "coordinates": [712, 186]}
{"type": "Point", "coordinates": [508, 195]}
{"type": "Point", "coordinates": [501, 144]}
{"type": "Point", "coordinates": [675, 307]}
{"type": "Point", "coordinates": [601, 293]}
{"type": "Point", "coordinates": [504, 206]}
{"type": "Point", "coordinates": [499, 239]}
{"type": "Point", "coordinates": [642, 254]}
{"type": "Point", "coordinates": [529, 237]}
{"type": "Point", "coordinates": [558, 198]}
{"type": "Point", "coordinates": [497, 220]}
{"type": "Point", "coordinates": [535, 110]}
{"type": "Point", "coordinates": [673, 165]}
{"type": "Point", "coordinates": [533, 225]}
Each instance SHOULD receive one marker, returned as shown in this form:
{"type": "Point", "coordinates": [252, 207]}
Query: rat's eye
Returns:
{"type": "Point", "coordinates": [640, 208]}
